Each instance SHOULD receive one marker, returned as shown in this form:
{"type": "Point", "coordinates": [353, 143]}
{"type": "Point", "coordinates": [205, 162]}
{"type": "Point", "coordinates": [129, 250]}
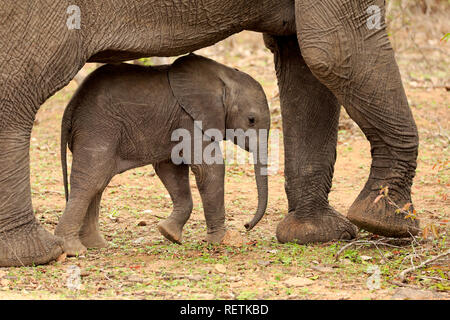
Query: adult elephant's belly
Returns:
{"type": "Point", "coordinates": [172, 28]}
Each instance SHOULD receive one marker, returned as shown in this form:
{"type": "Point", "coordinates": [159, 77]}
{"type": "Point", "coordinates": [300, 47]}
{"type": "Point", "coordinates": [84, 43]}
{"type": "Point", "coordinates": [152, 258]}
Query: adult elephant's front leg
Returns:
{"type": "Point", "coordinates": [23, 241]}
{"type": "Point", "coordinates": [38, 56]}
{"type": "Point", "coordinates": [346, 46]}
{"type": "Point", "coordinates": [310, 115]}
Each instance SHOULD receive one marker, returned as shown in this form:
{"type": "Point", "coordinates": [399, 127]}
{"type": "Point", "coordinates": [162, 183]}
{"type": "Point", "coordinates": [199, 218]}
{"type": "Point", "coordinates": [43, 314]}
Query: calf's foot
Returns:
{"type": "Point", "coordinates": [72, 243]}
{"type": "Point", "coordinates": [74, 247]}
{"type": "Point", "coordinates": [27, 245]}
{"type": "Point", "coordinates": [93, 240]}
{"type": "Point", "coordinates": [171, 230]}
{"type": "Point", "coordinates": [323, 226]}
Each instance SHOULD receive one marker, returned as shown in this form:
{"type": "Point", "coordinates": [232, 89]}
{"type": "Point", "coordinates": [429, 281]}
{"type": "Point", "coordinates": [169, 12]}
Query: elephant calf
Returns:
{"type": "Point", "coordinates": [124, 116]}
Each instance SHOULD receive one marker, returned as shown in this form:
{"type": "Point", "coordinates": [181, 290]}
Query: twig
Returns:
{"type": "Point", "coordinates": [368, 242]}
{"type": "Point", "coordinates": [423, 264]}
{"type": "Point", "coordinates": [400, 284]}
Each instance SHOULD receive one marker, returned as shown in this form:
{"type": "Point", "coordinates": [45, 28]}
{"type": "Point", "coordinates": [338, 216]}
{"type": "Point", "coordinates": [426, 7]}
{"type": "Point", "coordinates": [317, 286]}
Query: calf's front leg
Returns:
{"type": "Point", "coordinates": [176, 180]}
{"type": "Point", "coordinates": [210, 182]}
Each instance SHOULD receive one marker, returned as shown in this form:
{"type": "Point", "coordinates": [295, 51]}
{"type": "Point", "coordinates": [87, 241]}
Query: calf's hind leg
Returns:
{"type": "Point", "coordinates": [91, 172]}
{"type": "Point", "coordinates": [176, 180]}
{"type": "Point", "coordinates": [90, 233]}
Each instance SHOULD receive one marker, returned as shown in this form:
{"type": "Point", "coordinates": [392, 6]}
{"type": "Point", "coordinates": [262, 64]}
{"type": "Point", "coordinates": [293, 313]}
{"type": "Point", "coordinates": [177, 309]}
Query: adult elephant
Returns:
{"type": "Point", "coordinates": [326, 55]}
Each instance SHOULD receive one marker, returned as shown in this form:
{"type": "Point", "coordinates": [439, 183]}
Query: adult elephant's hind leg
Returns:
{"type": "Point", "coordinates": [310, 115]}
{"type": "Point", "coordinates": [346, 46]}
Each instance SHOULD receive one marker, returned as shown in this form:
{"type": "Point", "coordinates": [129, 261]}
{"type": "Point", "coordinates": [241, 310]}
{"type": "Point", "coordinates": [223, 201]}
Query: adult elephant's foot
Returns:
{"type": "Point", "coordinates": [27, 245]}
{"type": "Point", "coordinates": [93, 240]}
{"type": "Point", "coordinates": [171, 230]}
{"type": "Point", "coordinates": [323, 226]}
{"type": "Point", "coordinates": [384, 215]}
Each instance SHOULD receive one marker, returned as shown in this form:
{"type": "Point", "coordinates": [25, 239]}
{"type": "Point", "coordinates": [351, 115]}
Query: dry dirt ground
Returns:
{"type": "Point", "coordinates": [139, 263]}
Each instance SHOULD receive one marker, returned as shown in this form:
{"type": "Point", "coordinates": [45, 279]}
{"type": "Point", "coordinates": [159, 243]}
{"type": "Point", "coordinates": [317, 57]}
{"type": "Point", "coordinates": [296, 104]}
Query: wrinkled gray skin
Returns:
{"type": "Point", "coordinates": [123, 117]}
{"type": "Point", "coordinates": [325, 54]}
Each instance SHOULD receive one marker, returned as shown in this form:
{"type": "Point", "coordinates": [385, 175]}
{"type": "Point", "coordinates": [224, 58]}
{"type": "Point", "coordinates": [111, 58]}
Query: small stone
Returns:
{"type": "Point", "coordinates": [140, 240]}
{"type": "Point", "coordinates": [220, 268]}
{"type": "Point", "coordinates": [205, 296]}
{"type": "Point", "coordinates": [114, 219]}
{"type": "Point", "coordinates": [322, 269]}
{"type": "Point", "coordinates": [263, 263]}
{"type": "Point", "coordinates": [234, 278]}
{"type": "Point", "coordinates": [347, 262]}
{"type": "Point", "coordinates": [147, 211]}
{"type": "Point", "coordinates": [233, 238]}
{"type": "Point", "coordinates": [135, 278]}
{"type": "Point", "coordinates": [142, 224]}
{"type": "Point", "coordinates": [414, 294]}
{"type": "Point", "coordinates": [195, 277]}
{"type": "Point", "coordinates": [298, 282]}
{"type": "Point", "coordinates": [366, 258]}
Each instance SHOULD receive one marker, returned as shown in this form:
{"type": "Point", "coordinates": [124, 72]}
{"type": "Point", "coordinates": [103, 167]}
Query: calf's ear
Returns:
{"type": "Point", "coordinates": [197, 85]}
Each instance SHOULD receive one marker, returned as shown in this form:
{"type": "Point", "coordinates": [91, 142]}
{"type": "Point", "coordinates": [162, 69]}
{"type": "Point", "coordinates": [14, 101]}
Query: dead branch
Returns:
{"type": "Point", "coordinates": [402, 274]}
